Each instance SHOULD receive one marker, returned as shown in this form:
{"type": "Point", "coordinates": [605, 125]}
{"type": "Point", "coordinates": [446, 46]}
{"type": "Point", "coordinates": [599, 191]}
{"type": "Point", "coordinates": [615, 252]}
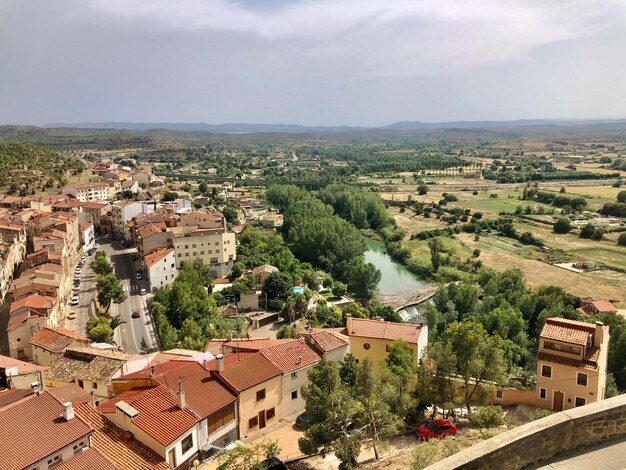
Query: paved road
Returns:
{"type": "Point", "coordinates": [86, 294]}
{"type": "Point", "coordinates": [129, 334]}
{"type": "Point", "coordinates": [609, 455]}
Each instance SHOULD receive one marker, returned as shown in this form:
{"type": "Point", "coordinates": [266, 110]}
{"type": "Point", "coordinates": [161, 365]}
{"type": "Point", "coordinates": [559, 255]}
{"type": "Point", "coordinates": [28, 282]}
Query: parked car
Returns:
{"type": "Point", "coordinates": [76, 287]}
{"type": "Point", "coordinates": [139, 276]}
{"type": "Point", "coordinates": [71, 315]}
{"type": "Point", "coordinates": [273, 463]}
{"type": "Point", "coordinates": [303, 421]}
{"type": "Point", "coordinates": [75, 300]}
{"type": "Point", "coordinates": [143, 291]}
{"type": "Point", "coordinates": [436, 428]}
{"type": "Point", "coordinates": [136, 314]}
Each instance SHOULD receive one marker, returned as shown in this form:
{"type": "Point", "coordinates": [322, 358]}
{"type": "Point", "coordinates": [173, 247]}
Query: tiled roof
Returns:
{"type": "Point", "coordinates": [249, 372]}
{"type": "Point", "coordinates": [150, 229]}
{"type": "Point", "coordinates": [327, 340]}
{"type": "Point", "coordinates": [22, 367]}
{"type": "Point", "coordinates": [88, 459]}
{"type": "Point", "coordinates": [37, 302]}
{"type": "Point", "coordinates": [159, 415]}
{"type": "Point", "coordinates": [157, 255]}
{"type": "Point", "coordinates": [604, 306]}
{"type": "Point", "coordinates": [117, 445]}
{"type": "Point", "coordinates": [7, 397]}
{"type": "Point", "coordinates": [33, 429]}
{"type": "Point", "coordinates": [579, 364]}
{"type": "Point", "coordinates": [92, 368]}
{"type": "Point", "coordinates": [70, 392]}
{"type": "Point", "coordinates": [383, 330]}
{"type": "Point", "coordinates": [55, 339]}
{"type": "Point", "coordinates": [568, 331]}
{"type": "Point", "coordinates": [291, 356]}
{"type": "Point", "coordinates": [254, 344]}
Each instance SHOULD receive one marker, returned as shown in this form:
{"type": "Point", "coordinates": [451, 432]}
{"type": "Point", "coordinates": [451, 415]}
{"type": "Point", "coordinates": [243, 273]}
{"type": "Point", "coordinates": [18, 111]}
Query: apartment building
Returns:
{"type": "Point", "coordinates": [160, 266]}
{"type": "Point", "coordinates": [12, 253]}
{"type": "Point", "coordinates": [214, 247]}
{"type": "Point", "coordinates": [27, 316]}
{"type": "Point", "coordinates": [571, 363]}
{"type": "Point", "coordinates": [202, 220]}
{"type": "Point", "coordinates": [123, 212]}
{"type": "Point", "coordinates": [92, 191]}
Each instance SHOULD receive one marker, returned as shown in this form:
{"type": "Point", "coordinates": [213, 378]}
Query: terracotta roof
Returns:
{"type": "Point", "coordinates": [249, 372]}
{"type": "Point", "coordinates": [88, 459]}
{"type": "Point", "coordinates": [22, 367]}
{"type": "Point", "coordinates": [157, 255]}
{"type": "Point", "coordinates": [150, 229]}
{"type": "Point", "coordinates": [56, 339]}
{"type": "Point", "coordinates": [327, 340]}
{"type": "Point", "coordinates": [265, 268]}
{"type": "Point", "coordinates": [159, 415]}
{"type": "Point", "coordinates": [18, 319]}
{"type": "Point", "coordinates": [604, 306]}
{"type": "Point", "coordinates": [34, 428]}
{"type": "Point", "coordinates": [568, 331]}
{"type": "Point", "coordinates": [291, 356]}
{"type": "Point", "coordinates": [95, 205]}
{"type": "Point", "coordinates": [117, 445]}
{"type": "Point", "coordinates": [8, 397]}
{"type": "Point", "coordinates": [254, 344]}
{"type": "Point", "coordinates": [70, 392]}
{"type": "Point", "coordinates": [383, 330]}
{"type": "Point", "coordinates": [32, 301]}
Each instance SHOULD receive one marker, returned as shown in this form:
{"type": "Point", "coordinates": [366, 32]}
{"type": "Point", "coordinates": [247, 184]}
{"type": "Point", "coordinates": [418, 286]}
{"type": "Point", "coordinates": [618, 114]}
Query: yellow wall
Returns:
{"type": "Point", "coordinates": [377, 350]}
{"type": "Point", "coordinates": [249, 407]}
{"type": "Point", "coordinates": [564, 380]}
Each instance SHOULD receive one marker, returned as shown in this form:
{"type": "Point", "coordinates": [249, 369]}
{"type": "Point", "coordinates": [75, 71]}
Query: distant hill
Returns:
{"type": "Point", "coordinates": [27, 169]}
{"type": "Point", "coordinates": [234, 128]}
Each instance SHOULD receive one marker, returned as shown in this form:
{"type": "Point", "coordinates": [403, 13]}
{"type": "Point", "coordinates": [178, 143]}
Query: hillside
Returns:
{"type": "Point", "coordinates": [26, 169]}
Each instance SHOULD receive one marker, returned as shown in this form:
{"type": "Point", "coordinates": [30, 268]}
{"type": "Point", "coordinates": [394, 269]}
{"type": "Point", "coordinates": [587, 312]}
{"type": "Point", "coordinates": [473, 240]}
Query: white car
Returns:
{"type": "Point", "coordinates": [143, 291]}
{"type": "Point", "coordinates": [75, 300]}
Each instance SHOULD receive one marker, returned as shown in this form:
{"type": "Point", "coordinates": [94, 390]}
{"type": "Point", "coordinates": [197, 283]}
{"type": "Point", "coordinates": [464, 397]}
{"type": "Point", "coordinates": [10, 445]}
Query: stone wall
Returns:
{"type": "Point", "coordinates": [542, 439]}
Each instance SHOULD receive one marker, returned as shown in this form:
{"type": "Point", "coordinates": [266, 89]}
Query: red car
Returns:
{"type": "Point", "coordinates": [135, 314]}
{"type": "Point", "coordinates": [436, 428]}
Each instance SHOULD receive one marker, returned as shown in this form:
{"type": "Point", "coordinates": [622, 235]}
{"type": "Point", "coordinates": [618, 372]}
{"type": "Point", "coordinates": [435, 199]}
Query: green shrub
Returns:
{"type": "Point", "coordinates": [486, 417]}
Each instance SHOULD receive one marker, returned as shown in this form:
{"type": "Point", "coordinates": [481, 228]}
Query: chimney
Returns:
{"type": "Point", "coordinates": [219, 362]}
{"type": "Point", "coordinates": [597, 337]}
{"type": "Point", "coordinates": [299, 360]}
{"type": "Point", "coordinates": [68, 411]}
{"type": "Point", "coordinates": [181, 395]}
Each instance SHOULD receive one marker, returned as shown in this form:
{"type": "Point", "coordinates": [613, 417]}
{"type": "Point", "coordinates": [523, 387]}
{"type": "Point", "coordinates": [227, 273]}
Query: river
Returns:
{"type": "Point", "coordinates": [395, 277]}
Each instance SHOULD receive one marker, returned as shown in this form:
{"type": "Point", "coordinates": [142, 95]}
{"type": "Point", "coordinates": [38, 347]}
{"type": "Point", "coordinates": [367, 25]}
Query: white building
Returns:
{"type": "Point", "coordinates": [160, 267]}
{"type": "Point", "coordinates": [92, 191]}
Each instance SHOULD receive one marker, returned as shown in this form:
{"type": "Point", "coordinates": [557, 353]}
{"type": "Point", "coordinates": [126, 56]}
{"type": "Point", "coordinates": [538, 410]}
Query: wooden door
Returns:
{"type": "Point", "coordinates": [557, 405]}
{"type": "Point", "coordinates": [172, 458]}
{"type": "Point", "coordinates": [261, 419]}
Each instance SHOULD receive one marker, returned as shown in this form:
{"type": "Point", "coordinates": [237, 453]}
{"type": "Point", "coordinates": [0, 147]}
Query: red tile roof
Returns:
{"type": "Point", "coordinates": [70, 392]}
{"type": "Point", "coordinates": [249, 372]}
{"type": "Point", "coordinates": [604, 306]}
{"type": "Point", "coordinates": [8, 397]}
{"type": "Point", "coordinates": [117, 445]}
{"type": "Point", "coordinates": [36, 302]}
{"type": "Point", "coordinates": [88, 459]}
{"type": "Point", "coordinates": [291, 356]}
{"type": "Point", "coordinates": [254, 344]}
{"type": "Point", "coordinates": [327, 340]}
{"type": "Point", "coordinates": [567, 331]}
{"type": "Point", "coordinates": [22, 367]}
{"type": "Point", "coordinates": [360, 327]}
{"type": "Point", "coordinates": [56, 339]}
{"type": "Point", "coordinates": [159, 415]}
{"type": "Point", "coordinates": [157, 255]}
{"type": "Point", "coordinates": [34, 428]}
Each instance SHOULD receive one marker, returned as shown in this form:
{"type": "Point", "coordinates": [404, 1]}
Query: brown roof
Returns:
{"type": "Point", "coordinates": [88, 459]}
{"type": "Point", "coordinates": [70, 392]}
{"type": "Point", "coordinates": [383, 330]}
{"type": "Point", "coordinates": [265, 268]}
{"type": "Point", "coordinates": [118, 445]}
{"type": "Point", "coordinates": [157, 255]}
{"type": "Point", "coordinates": [567, 331]}
{"type": "Point", "coordinates": [7, 397]}
{"type": "Point", "coordinates": [150, 229]}
{"type": "Point", "coordinates": [254, 344]}
{"type": "Point", "coordinates": [56, 339]}
{"type": "Point", "coordinates": [327, 340]}
{"type": "Point", "coordinates": [249, 372]}
{"type": "Point", "coordinates": [604, 306]}
{"type": "Point", "coordinates": [34, 428]}
{"type": "Point", "coordinates": [22, 367]}
{"type": "Point", "coordinates": [85, 364]}
{"type": "Point", "coordinates": [291, 356]}
{"type": "Point", "coordinates": [34, 301]}
{"type": "Point", "coordinates": [159, 415]}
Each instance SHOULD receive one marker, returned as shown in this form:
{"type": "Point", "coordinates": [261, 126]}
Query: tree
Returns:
{"type": "Point", "coordinates": [169, 196]}
{"type": "Point", "coordinates": [278, 286]}
{"type": "Point", "coordinates": [203, 188]}
{"type": "Point", "coordinates": [436, 382]}
{"type": "Point", "coordinates": [330, 408]}
{"type": "Point", "coordinates": [587, 231]}
{"type": "Point", "coordinates": [486, 417]}
{"type": "Point", "coordinates": [436, 247]}
{"type": "Point", "coordinates": [109, 290]}
{"type": "Point", "coordinates": [562, 225]}
{"type": "Point", "coordinates": [362, 278]}
{"type": "Point", "coordinates": [101, 265]}
{"type": "Point", "coordinates": [422, 189]}
{"type": "Point", "coordinates": [339, 289]}
{"type": "Point", "coordinates": [479, 357]}
{"type": "Point", "coordinates": [116, 321]}
{"type": "Point", "coordinates": [399, 369]}
{"type": "Point", "coordinates": [286, 331]}
{"type": "Point", "coordinates": [621, 196]}
{"type": "Point", "coordinates": [348, 370]}
{"type": "Point", "coordinates": [621, 241]}
{"type": "Point", "coordinates": [144, 345]}
{"type": "Point", "coordinates": [99, 330]}
{"type": "Point", "coordinates": [237, 271]}
{"type": "Point", "coordinates": [247, 457]}
{"type": "Point", "coordinates": [374, 395]}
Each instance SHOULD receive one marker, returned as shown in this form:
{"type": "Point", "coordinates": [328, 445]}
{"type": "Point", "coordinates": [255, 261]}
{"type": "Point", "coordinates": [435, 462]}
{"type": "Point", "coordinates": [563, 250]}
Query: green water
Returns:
{"type": "Point", "coordinates": [395, 277]}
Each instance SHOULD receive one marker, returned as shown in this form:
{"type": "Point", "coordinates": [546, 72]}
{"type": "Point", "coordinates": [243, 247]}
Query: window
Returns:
{"type": "Point", "coordinates": [81, 384]}
{"type": "Point", "coordinates": [294, 395]}
{"type": "Point", "coordinates": [294, 375]}
{"type": "Point", "coordinates": [543, 393]}
{"type": "Point", "coordinates": [186, 443]}
{"type": "Point", "coordinates": [269, 414]}
{"type": "Point", "coordinates": [94, 385]}
{"type": "Point", "coordinates": [499, 394]}
{"type": "Point", "coordinates": [366, 346]}
{"type": "Point", "coordinates": [387, 348]}
{"type": "Point", "coordinates": [253, 422]}
{"type": "Point", "coordinates": [581, 379]}
{"type": "Point", "coordinates": [186, 247]}
{"type": "Point", "coordinates": [19, 339]}
{"type": "Point", "coordinates": [580, 401]}
{"type": "Point", "coordinates": [260, 395]}
{"type": "Point", "coordinates": [561, 347]}
{"type": "Point", "coordinates": [546, 371]}
{"type": "Point", "coordinates": [202, 252]}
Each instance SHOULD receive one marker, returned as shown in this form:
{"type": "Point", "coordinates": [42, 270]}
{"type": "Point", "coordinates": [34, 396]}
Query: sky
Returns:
{"type": "Point", "coordinates": [311, 62]}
